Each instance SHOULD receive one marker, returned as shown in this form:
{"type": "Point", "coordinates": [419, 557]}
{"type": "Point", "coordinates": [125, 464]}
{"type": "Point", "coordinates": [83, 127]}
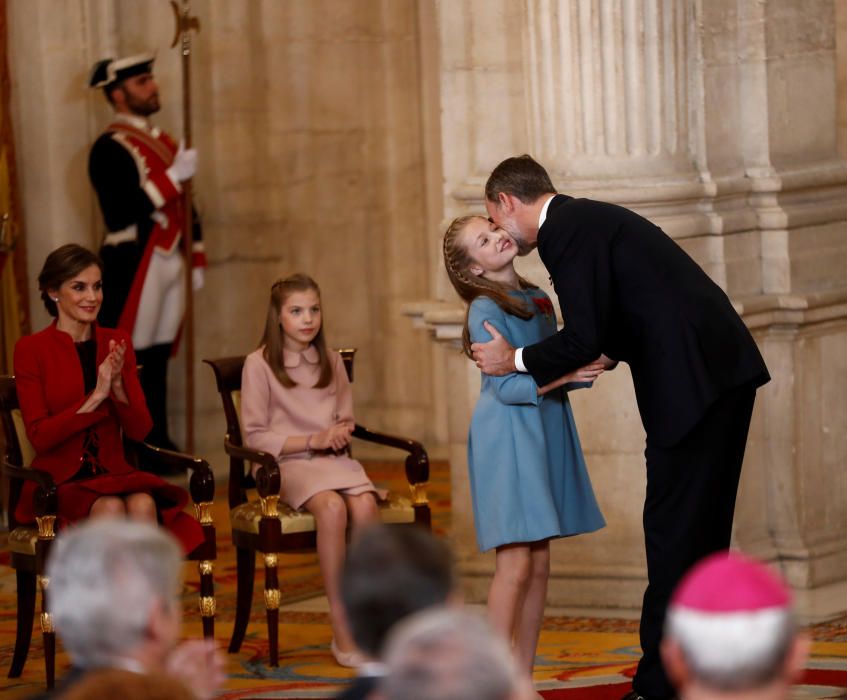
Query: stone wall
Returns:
{"type": "Point", "coordinates": [339, 138]}
{"type": "Point", "coordinates": [697, 115]}
{"type": "Point", "coordinates": [309, 126]}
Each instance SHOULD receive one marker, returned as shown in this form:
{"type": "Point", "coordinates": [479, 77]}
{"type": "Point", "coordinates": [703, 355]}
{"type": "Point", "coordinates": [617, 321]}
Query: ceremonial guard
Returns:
{"type": "Point", "coordinates": [137, 171]}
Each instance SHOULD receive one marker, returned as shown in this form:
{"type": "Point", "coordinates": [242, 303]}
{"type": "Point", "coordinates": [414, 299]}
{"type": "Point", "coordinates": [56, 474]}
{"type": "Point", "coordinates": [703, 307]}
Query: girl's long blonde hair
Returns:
{"type": "Point", "coordinates": [470, 286]}
{"type": "Point", "coordinates": [272, 338]}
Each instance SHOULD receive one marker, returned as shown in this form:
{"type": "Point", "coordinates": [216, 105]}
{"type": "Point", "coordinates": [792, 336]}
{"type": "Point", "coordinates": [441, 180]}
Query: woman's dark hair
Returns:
{"type": "Point", "coordinates": [64, 263]}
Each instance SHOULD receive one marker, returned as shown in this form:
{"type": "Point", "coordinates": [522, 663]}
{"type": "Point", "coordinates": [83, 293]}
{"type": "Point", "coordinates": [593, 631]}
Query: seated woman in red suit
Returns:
{"type": "Point", "coordinates": [78, 391]}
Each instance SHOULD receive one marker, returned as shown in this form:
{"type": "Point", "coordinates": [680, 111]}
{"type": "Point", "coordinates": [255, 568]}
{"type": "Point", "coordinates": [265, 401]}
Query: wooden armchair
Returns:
{"type": "Point", "coordinates": [264, 525]}
{"type": "Point", "coordinates": [30, 545]}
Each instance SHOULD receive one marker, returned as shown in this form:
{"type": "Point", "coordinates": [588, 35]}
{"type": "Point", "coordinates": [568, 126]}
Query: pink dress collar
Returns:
{"type": "Point", "coordinates": [292, 359]}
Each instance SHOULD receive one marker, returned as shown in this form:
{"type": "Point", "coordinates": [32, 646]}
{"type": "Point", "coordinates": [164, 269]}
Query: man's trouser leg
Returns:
{"type": "Point", "coordinates": [688, 511]}
{"type": "Point", "coordinates": [154, 382]}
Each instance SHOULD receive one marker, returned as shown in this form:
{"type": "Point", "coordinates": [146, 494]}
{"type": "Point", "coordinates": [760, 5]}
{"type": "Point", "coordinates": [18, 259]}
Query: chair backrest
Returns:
{"type": "Point", "coordinates": [17, 449]}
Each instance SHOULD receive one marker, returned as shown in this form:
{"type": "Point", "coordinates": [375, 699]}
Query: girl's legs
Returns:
{"type": "Point", "coordinates": [141, 506]}
{"type": "Point", "coordinates": [362, 509]}
{"type": "Point", "coordinates": [330, 513]}
{"type": "Point", "coordinates": [531, 614]}
{"type": "Point", "coordinates": [107, 507]}
{"type": "Point", "coordinates": [508, 587]}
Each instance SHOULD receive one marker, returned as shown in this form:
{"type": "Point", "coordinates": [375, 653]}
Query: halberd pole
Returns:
{"type": "Point", "coordinates": [185, 24]}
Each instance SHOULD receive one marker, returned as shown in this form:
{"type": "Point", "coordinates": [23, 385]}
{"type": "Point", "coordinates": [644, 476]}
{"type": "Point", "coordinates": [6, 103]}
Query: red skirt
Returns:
{"type": "Point", "coordinates": [77, 497]}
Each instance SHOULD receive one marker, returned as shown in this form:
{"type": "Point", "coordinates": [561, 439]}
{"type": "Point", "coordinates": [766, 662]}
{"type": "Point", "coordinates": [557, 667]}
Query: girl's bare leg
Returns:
{"type": "Point", "coordinates": [531, 615]}
{"type": "Point", "coordinates": [330, 513]}
{"type": "Point", "coordinates": [363, 510]}
{"type": "Point", "coordinates": [141, 506]}
{"type": "Point", "coordinates": [511, 577]}
{"type": "Point", "coordinates": [107, 507]}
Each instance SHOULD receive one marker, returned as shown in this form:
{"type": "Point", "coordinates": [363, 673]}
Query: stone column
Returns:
{"type": "Point", "coordinates": [696, 115]}
{"type": "Point", "coordinates": [51, 48]}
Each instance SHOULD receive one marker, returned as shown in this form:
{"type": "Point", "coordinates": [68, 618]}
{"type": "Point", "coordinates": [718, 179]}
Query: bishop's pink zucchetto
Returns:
{"type": "Point", "coordinates": [728, 582]}
{"type": "Point", "coordinates": [733, 618]}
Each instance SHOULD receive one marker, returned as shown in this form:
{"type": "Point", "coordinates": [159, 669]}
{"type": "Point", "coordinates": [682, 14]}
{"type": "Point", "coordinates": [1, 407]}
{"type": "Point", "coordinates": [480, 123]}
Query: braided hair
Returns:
{"type": "Point", "coordinates": [272, 338]}
{"type": "Point", "coordinates": [470, 286]}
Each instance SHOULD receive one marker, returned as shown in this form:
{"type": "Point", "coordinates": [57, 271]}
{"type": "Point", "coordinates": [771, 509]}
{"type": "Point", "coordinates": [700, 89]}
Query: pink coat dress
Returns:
{"type": "Point", "coordinates": [271, 413]}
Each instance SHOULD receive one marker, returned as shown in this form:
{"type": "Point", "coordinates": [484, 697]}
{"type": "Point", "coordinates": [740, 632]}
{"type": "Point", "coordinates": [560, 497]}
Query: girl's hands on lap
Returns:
{"type": "Point", "coordinates": [335, 438]}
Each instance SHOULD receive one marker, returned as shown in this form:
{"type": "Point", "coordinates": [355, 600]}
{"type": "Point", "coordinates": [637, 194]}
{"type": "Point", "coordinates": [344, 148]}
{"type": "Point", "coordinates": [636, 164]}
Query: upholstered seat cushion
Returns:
{"type": "Point", "coordinates": [246, 517]}
{"type": "Point", "coordinates": [22, 540]}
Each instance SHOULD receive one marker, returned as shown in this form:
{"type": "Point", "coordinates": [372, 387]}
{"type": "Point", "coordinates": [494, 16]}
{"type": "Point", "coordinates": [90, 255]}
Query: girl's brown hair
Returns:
{"type": "Point", "coordinates": [272, 338]}
{"type": "Point", "coordinates": [470, 286]}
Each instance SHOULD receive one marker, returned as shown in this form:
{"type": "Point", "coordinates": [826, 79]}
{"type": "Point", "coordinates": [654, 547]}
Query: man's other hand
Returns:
{"type": "Point", "coordinates": [496, 357]}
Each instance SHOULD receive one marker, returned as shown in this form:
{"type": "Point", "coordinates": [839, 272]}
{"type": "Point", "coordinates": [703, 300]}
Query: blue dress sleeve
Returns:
{"type": "Point", "coordinates": [514, 388]}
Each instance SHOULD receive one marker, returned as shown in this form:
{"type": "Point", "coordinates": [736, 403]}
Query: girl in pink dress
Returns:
{"type": "Point", "coordinates": [296, 403]}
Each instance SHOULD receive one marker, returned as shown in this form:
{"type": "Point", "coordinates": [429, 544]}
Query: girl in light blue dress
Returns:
{"type": "Point", "coordinates": [528, 478]}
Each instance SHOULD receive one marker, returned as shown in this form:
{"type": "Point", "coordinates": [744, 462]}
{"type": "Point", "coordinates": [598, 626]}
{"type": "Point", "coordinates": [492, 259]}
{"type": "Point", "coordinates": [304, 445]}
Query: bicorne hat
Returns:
{"type": "Point", "coordinates": [110, 71]}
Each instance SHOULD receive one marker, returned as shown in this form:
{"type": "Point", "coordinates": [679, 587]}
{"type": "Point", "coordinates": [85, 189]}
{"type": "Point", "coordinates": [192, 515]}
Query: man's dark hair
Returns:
{"type": "Point", "coordinates": [390, 573]}
{"type": "Point", "coordinates": [520, 176]}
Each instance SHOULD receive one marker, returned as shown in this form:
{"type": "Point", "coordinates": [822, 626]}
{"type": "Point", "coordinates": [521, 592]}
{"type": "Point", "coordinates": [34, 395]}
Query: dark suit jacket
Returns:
{"type": "Point", "coordinates": [359, 688]}
{"type": "Point", "coordinates": [627, 290]}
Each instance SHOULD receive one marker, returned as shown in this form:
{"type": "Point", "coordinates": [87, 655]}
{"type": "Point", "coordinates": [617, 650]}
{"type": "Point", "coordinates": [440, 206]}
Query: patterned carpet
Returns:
{"type": "Point", "coordinates": [578, 658]}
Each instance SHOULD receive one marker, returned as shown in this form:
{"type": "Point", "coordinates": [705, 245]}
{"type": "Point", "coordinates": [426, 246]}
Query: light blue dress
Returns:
{"type": "Point", "coordinates": [527, 473]}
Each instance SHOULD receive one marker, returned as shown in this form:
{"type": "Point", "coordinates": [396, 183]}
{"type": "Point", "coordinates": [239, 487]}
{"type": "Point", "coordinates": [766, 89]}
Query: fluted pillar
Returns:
{"type": "Point", "coordinates": [697, 115]}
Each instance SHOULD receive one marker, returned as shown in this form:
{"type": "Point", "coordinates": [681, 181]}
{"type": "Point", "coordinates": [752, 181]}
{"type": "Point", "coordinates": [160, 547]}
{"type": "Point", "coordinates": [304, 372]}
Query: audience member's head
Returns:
{"type": "Point", "coordinates": [448, 653]}
{"type": "Point", "coordinates": [113, 593]}
{"type": "Point", "coordinates": [390, 573]}
{"type": "Point", "coordinates": [731, 629]}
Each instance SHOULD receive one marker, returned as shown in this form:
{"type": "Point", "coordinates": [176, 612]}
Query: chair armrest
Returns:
{"type": "Point", "coordinates": [417, 462]}
{"type": "Point", "coordinates": [45, 498]}
{"type": "Point", "coordinates": [202, 481]}
{"type": "Point", "coordinates": [268, 476]}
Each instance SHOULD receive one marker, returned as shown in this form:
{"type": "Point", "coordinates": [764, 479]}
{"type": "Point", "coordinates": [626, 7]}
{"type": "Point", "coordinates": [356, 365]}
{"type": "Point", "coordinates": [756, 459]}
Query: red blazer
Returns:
{"type": "Point", "coordinates": [50, 388]}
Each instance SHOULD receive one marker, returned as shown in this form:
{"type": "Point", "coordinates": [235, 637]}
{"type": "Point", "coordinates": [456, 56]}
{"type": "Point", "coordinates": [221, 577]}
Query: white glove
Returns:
{"type": "Point", "coordinates": [198, 278]}
{"type": "Point", "coordinates": [184, 165]}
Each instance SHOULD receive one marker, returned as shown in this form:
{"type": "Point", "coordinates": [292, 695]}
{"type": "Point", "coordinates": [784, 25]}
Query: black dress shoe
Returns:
{"type": "Point", "coordinates": [634, 695]}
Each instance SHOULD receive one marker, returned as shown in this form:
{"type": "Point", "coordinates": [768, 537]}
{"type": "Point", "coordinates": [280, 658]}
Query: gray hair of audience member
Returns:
{"type": "Point", "coordinates": [447, 654]}
{"type": "Point", "coordinates": [105, 577]}
{"type": "Point", "coordinates": [728, 654]}
{"type": "Point", "coordinates": [389, 574]}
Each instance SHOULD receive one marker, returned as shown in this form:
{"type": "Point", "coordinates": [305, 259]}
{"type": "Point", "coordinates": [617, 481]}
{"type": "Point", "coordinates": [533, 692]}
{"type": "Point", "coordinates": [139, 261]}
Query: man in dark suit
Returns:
{"type": "Point", "coordinates": [628, 292]}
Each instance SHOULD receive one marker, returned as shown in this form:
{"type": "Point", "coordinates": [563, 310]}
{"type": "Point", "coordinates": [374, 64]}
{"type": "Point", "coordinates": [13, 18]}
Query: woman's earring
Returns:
{"type": "Point", "coordinates": [55, 299]}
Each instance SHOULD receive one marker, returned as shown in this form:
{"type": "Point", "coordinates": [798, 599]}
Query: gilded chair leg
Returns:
{"type": "Point", "coordinates": [48, 634]}
{"type": "Point", "coordinates": [272, 598]}
{"type": "Point", "coordinates": [246, 568]}
{"type": "Point", "coordinates": [50, 658]}
{"type": "Point", "coordinates": [207, 598]}
{"type": "Point", "coordinates": [26, 613]}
